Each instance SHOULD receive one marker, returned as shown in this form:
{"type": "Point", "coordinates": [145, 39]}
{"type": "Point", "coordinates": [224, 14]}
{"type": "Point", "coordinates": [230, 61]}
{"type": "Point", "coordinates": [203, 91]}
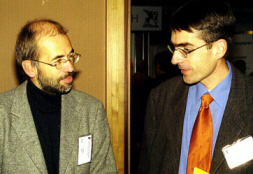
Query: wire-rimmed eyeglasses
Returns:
{"type": "Point", "coordinates": [60, 63]}
{"type": "Point", "coordinates": [183, 52]}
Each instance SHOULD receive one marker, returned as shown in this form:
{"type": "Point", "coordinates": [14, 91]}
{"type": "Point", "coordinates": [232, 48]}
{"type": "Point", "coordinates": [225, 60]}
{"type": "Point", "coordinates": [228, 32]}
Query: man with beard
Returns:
{"type": "Point", "coordinates": [45, 126]}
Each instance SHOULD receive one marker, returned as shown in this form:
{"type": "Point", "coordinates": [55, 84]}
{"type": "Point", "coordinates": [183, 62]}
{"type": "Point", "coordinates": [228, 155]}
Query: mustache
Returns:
{"type": "Point", "coordinates": [72, 74]}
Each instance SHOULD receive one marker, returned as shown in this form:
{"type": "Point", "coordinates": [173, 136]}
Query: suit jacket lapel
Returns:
{"type": "Point", "coordinates": [23, 124]}
{"type": "Point", "coordinates": [176, 112]}
{"type": "Point", "coordinates": [233, 120]}
{"type": "Point", "coordinates": [69, 131]}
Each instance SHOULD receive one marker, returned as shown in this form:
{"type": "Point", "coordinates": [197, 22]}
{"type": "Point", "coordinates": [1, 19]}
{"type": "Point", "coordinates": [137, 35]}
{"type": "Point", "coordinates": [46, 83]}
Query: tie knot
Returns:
{"type": "Point", "coordinates": [206, 99]}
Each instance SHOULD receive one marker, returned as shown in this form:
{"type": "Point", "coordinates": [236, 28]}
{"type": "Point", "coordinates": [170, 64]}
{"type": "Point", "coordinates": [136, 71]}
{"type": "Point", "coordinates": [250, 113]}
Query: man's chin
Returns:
{"type": "Point", "coordinates": [187, 80]}
{"type": "Point", "coordinates": [64, 89]}
{"type": "Point", "coordinates": [58, 90]}
{"type": "Point", "coordinates": [67, 90]}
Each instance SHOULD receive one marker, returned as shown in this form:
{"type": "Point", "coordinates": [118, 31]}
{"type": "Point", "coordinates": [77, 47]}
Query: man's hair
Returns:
{"type": "Point", "coordinates": [214, 19]}
{"type": "Point", "coordinates": [26, 45]}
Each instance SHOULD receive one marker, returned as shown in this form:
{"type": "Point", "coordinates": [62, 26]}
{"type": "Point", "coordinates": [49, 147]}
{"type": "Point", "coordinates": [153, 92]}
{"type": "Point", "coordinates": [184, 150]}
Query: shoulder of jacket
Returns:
{"type": "Point", "coordinates": [82, 96]}
{"type": "Point", "coordinates": [8, 96]}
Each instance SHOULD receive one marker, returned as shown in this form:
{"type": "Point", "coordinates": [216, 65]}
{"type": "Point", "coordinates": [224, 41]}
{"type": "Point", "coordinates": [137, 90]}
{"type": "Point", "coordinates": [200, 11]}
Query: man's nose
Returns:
{"type": "Point", "coordinates": [176, 58]}
{"type": "Point", "coordinates": [69, 67]}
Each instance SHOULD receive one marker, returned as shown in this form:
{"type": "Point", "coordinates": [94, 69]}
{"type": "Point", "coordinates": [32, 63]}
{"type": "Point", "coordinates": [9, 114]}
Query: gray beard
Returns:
{"type": "Point", "coordinates": [53, 86]}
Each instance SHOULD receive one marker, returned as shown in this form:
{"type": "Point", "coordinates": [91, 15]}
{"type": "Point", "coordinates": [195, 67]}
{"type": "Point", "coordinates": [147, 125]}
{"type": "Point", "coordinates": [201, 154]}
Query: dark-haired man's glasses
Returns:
{"type": "Point", "coordinates": [60, 63]}
{"type": "Point", "coordinates": [183, 52]}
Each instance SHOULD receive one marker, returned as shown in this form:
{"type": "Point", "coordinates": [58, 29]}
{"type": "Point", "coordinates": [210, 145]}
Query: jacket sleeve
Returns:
{"type": "Point", "coordinates": [102, 154]}
{"type": "Point", "coordinates": [3, 124]}
{"type": "Point", "coordinates": [1, 137]}
{"type": "Point", "coordinates": [150, 129]}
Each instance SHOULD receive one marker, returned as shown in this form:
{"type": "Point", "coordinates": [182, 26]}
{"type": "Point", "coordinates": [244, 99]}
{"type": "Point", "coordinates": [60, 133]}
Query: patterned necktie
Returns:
{"type": "Point", "coordinates": [200, 151]}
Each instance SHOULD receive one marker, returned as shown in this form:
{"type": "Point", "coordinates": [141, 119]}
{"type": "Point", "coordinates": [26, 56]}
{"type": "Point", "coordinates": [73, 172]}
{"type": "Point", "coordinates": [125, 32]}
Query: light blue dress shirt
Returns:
{"type": "Point", "coordinates": [220, 95]}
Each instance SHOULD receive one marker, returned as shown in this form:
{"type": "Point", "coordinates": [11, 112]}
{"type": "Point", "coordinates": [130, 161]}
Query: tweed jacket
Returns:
{"type": "Point", "coordinates": [81, 115]}
{"type": "Point", "coordinates": [164, 126]}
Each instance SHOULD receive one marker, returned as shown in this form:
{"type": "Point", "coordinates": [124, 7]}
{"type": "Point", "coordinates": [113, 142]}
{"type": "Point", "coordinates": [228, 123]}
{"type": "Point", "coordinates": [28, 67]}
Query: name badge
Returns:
{"type": "Point", "coordinates": [85, 148]}
{"type": "Point", "coordinates": [199, 171]}
{"type": "Point", "coordinates": [239, 152]}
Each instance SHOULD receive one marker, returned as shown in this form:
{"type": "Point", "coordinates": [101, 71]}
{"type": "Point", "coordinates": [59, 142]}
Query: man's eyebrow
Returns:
{"type": "Point", "coordinates": [57, 57]}
{"type": "Point", "coordinates": [182, 44]}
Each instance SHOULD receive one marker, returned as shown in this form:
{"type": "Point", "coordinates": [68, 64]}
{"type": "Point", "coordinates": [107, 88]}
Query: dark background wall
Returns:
{"type": "Point", "coordinates": [243, 10]}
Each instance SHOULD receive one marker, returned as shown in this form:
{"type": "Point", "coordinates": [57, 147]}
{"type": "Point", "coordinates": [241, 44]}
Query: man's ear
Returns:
{"type": "Point", "coordinates": [29, 69]}
{"type": "Point", "coordinates": [221, 48]}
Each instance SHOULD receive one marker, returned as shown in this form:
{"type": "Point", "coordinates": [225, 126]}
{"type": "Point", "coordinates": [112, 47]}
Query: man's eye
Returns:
{"type": "Point", "coordinates": [71, 56]}
{"type": "Point", "coordinates": [59, 61]}
{"type": "Point", "coordinates": [187, 49]}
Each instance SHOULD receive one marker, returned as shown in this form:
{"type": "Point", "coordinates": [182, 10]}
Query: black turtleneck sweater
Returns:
{"type": "Point", "coordinates": [46, 111]}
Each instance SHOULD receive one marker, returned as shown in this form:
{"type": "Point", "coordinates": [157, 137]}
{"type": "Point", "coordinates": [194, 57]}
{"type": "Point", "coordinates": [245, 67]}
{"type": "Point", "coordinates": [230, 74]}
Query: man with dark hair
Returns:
{"type": "Point", "coordinates": [45, 125]}
{"type": "Point", "coordinates": [190, 119]}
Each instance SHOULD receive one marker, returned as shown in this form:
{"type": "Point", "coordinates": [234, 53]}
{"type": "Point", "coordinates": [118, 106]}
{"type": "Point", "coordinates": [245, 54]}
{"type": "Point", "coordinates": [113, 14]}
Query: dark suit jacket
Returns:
{"type": "Point", "coordinates": [164, 126]}
{"type": "Point", "coordinates": [81, 115]}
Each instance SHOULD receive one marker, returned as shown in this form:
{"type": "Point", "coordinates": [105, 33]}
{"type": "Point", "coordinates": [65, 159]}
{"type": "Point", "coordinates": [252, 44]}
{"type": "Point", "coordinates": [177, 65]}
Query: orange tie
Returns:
{"type": "Point", "coordinates": [200, 151]}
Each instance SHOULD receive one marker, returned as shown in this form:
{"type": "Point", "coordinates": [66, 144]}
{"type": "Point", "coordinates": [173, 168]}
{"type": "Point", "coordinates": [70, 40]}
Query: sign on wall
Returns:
{"type": "Point", "coordinates": [145, 18]}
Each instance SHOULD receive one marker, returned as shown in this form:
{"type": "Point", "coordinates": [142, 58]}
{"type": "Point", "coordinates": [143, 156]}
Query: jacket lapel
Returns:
{"type": "Point", "coordinates": [175, 112]}
{"type": "Point", "coordinates": [233, 120]}
{"type": "Point", "coordinates": [69, 131]}
{"type": "Point", "coordinates": [23, 124]}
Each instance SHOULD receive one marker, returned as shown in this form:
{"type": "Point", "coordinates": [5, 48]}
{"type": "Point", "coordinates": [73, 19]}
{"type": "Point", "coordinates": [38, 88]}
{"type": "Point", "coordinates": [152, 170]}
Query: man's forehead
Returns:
{"type": "Point", "coordinates": [52, 41]}
{"type": "Point", "coordinates": [54, 46]}
{"type": "Point", "coordinates": [183, 36]}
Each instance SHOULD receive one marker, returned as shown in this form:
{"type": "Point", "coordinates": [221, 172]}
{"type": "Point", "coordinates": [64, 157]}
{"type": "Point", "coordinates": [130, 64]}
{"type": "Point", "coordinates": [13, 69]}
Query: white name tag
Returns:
{"type": "Point", "coordinates": [85, 148]}
{"type": "Point", "coordinates": [239, 152]}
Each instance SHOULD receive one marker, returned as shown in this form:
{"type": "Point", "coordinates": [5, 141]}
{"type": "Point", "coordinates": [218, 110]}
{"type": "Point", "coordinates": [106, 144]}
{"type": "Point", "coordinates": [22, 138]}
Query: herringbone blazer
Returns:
{"type": "Point", "coordinates": [81, 115]}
